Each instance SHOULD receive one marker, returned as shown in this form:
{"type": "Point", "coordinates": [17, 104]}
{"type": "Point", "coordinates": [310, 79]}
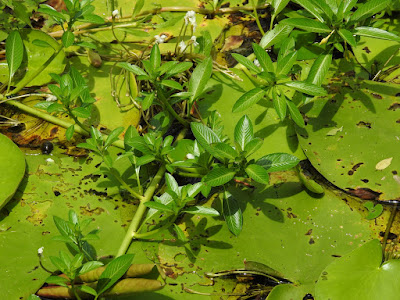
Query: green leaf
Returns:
{"type": "Point", "coordinates": [81, 112]}
{"type": "Point", "coordinates": [132, 68]}
{"type": "Point", "coordinates": [155, 57]}
{"type": "Point", "coordinates": [113, 271]}
{"type": "Point", "coordinates": [376, 33]}
{"type": "Point", "coordinates": [179, 68]}
{"type": "Point", "coordinates": [257, 173]}
{"type": "Point", "coordinates": [368, 9]}
{"type": "Point", "coordinates": [319, 69]}
{"type": "Point", "coordinates": [41, 43]}
{"type": "Point", "coordinates": [87, 289]}
{"type": "Point", "coordinates": [137, 8]}
{"type": "Point", "coordinates": [263, 58]}
{"type": "Point", "coordinates": [276, 35]}
{"type": "Point", "coordinates": [92, 19]}
{"type": "Point", "coordinates": [14, 52]}
{"type": "Point", "coordinates": [347, 37]}
{"type": "Point", "coordinates": [158, 206]}
{"type": "Point", "coordinates": [70, 132]}
{"type": "Point", "coordinates": [246, 62]}
{"type": "Point", "coordinates": [171, 183]}
{"type": "Point", "coordinates": [276, 162]}
{"type": "Point", "coordinates": [113, 136]}
{"type": "Point", "coordinates": [205, 136]}
{"type": "Point", "coordinates": [374, 210]}
{"type": "Point", "coordinates": [243, 132]}
{"type": "Point", "coordinates": [295, 114]}
{"type": "Point", "coordinates": [224, 150]}
{"type": "Point", "coordinates": [144, 160]}
{"type": "Point", "coordinates": [248, 99]}
{"type": "Point", "coordinates": [200, 210]}
{"type": "Point", "coordinates": [68, 38]}
{"type": "Point", "coordinates": [311, 8]}
{"type": "Point", "coordinates": [12, 162]}
{"type": "Point", "coordinates": [284, 65]}
{"type": "Point", "coordinates": [57, 280]}
{"type": "Point", "coordinates": [307, 25]}
{"type": "Point", "coordinates": [219, 176]}
{"type": "Point", "coordinates": [172, 84]}
{"type": "Point", "coordinates": [360, 274]}
{"type": "Point", "coordinates": [253, 145]}
{"type": "Point", "coordinates": [200, 76]}
{"type": "Point", "coordinates": [148, 101]}
{"type": "Point", "coordinates": [306, 88]}
{"type": "Point", "coordinates": [232, 213]}
{"type": "Point", "coordinates": [179, 233]}
{"type": "Point", "coordinates": [279, 104]}
{"type": "Point", "coordinates": [63, 228]}
{"type": "Point", "coordinates": [47, 9]}
{"type": "Point", "coordinates": [55, 107]}
{"type": "Point", "coordinates": [279, 5]}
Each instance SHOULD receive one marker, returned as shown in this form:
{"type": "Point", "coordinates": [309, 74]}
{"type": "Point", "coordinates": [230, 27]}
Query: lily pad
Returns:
{"type": "Point", "coordinates": [360, 275]}
{"type": "Point", "coordinates": [357, 158]}
{"type": "Point", "coordinates": [12, 166]}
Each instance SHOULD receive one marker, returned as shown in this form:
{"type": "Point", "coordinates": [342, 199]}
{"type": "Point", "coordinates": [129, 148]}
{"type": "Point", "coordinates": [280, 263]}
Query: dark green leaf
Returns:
{"type": "Point", "coordinates": [224, 150]}
{"type": "Point", "coordinates": [172, 84]}
{"type": "Point", "coordinates": [158, 206]}
{"type": "Point", "coordinates": [246, 62]}
{"type": "Point", "coordinates": [347, 37]}
{"type": "Point", "coordinates": [55, 107]}
{"type": "Point", "coordinates": [295, 114]}
{"type": "Point", "coordinates": [248, 99]}
{"type": "Point", "coordinates": [278, 162]}
{"type": "Point", "coordinates": [263, 58]}
{"type": "Point", "coordinates": [70, 132]}
{"type": "Point", "coordinates": [132, 68]}
{"type": "Point", "coordinates": [369, 8]}
{"type": "Point", "coordinates": [279, 5]}
{"type": "Point", "coordinates": [200, 210]}
{"type": "Point", "coordinates": [376, 33]}
{"type": "Point", "coordinates": [155, 57]}
{"type": "Point", "coordinates": [319, 69]}
{"type": "Point", "coordinates": [87, 289]}
{"type": "Point", "coordinates": [148, 101]}
{"type": "Point", "coordinates": [81, 112]}
{"type": "Point", "coordinates": [279, 104]}
{"type": "Point", "coordinates": [306, 88]}
{"type": "Point", "coordinates": [276, 35]}
{"type": "Point", "coordinates": [113, 271]}
{"type": "Point", "coordinates": [253, 145]}
{"type": "Point", "coordinates": [113, 136]}
{"type": "Point", "coordinates": [257, 173]}
{"type": "Point", "coordinates": [243, 132]}
{"type": "Point", "coordinates": [57, 280]}
{"type": "Point", "coordinates": [179, 233]}
{"type": "Point", "coordinates": [41, 43]}
{"type": "Point", "coordinates": [311, 8]}
{"type": "Point", "coordinates": [14, 52]}
{"type": "Point", "coordinates": [284, 65]}
{"type": "Point", "coordinates": [68, 38]}
{"type": "Point", "coordinates": [219, 176]}
{"type": "Point", "coordinates": [179, 68]}
{"type": "Point", "coordinates": [171, 183]}
{"type": "Point", "coordinates": [307, 25]}
{"type": "Point", "coordinates": [232, 214]}
{"type": "Point", "coordinates": [205, 136]}
{"type": "Point", "coordinates": [200, 76]}
{"type": "Point", "coordinates": [47, 9]}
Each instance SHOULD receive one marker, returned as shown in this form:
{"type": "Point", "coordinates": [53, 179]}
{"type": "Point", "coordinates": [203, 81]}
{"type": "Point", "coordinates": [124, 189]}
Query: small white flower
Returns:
{"type": "Point", "coordinates": [182, 46]}
{"type": "Point", "coordinates": [160, 39]}
{"type": "Point", "coordinates": [189, 156]}
{"type": "Point", "coordinates": [257, 63]}
{"type": "Point", "coordinates": [194, 42]}
{"type": "Point", "coordinates": [51, 98]}
{"type": "Point", "coordinates": [115, 14]}
{"type": "Point", "coordinates": [49, 160]}
{"type": "Point", "coordinates": [40, 251]}
{"type": "Point", "coordinates": [190, 18]}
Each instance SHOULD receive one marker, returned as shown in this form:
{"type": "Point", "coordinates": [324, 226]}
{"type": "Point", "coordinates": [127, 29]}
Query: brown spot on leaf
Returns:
{"type": "Point", "coordinates": [309, 232]}
{"type": "Point", "coordinates": [364, 124]}
{"type": "Point", "coordinates": [394, 106]}
{"type": "Point", "coordinates": [364, 193]}
{"type": "Point", "coordinates": [311, 241]}
{"type": "Point", "coordinates": [232, 42]}
{"type": "Point", "coordinates": [376, 96]}
{"type": "Point", "coordinates": [354, 168]}
{"type": "Point", "coordinates": [366, 49]}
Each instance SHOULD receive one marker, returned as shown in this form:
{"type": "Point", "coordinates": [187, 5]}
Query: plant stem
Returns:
{"type": "Point", "coordinates": [33, 75]}
{"type": "Point", "coordinates": [168, 106]}
{"type": "Point", "coordinates": [57, 121]}
{"type": "Point", "coordinates": [149, 233]}
{"type": "Point", "coordinates": [257, 18]}
{"type": "Point", "coordinates": [135, 223]}
{"type": "Point", "coordinates": [388, 227]}
{"type": "Point", "coordinates": [125, 185]}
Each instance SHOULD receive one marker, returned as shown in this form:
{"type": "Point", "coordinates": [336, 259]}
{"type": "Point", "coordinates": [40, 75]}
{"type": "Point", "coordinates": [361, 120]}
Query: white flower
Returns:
{"type": "Point", "coordinates": [49, 160]}
{"type": "Point", "coordinates": [194, 42]}
{"type": "Point", "coordinates": [257, 63]}
{"type": "Point", "coordinates": [50, 97]}
{"type": "Point", "coordinates": [160, 39]}
{"type": "Point", "coordinates": [115, 14]}
{"type": "Point", "coordinates": [190, 156]}
{"type": "Point", "coordinates": [40, 251]}
{"type": "Point", "coordinates": [182, 46]}
{"type": "Point", "coordinates": [190, 18]}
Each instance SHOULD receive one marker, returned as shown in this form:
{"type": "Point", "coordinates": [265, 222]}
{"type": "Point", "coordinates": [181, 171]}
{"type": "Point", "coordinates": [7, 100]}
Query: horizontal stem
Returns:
{"type": "Point", "coordinates": [125, 185]}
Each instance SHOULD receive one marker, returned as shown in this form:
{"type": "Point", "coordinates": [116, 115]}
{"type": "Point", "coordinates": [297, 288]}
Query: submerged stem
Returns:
{"type": "Point", "coordinates": [388, 226]}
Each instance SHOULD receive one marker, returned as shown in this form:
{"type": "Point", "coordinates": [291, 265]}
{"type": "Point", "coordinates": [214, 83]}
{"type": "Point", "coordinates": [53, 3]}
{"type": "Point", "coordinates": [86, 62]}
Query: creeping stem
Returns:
{"type": "Point", "coordinates": [135, 223]}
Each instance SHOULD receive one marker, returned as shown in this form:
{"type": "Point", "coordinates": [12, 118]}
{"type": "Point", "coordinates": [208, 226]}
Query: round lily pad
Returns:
{"type": "Point", "coordinates": [12, 166]}
{"type": "Point", "coordinates": [360, 275]}
{"type": "Point", "coordinates": [352, 138]}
